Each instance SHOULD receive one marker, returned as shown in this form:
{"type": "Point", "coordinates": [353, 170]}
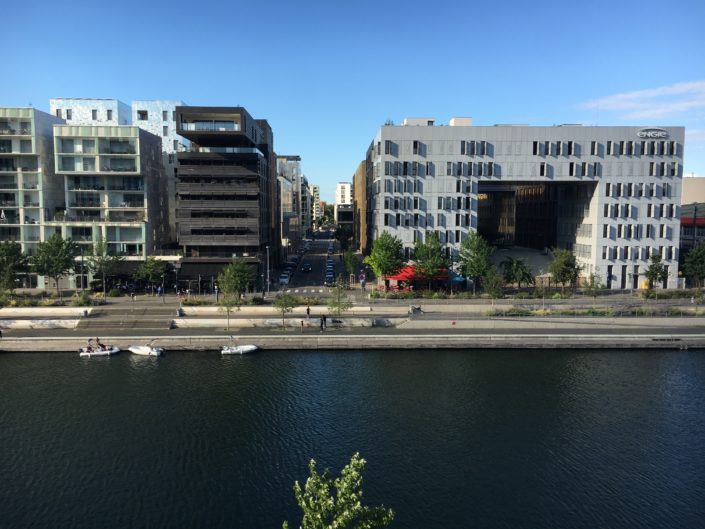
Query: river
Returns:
{"type": "Point", "coordinates": [453, 439]}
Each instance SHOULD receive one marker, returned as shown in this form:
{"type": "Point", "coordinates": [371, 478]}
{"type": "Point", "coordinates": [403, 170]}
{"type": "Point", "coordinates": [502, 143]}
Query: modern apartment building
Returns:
{"type": "Point", "coordinates": [609, 194]}
{"type": "Point", "coordinates": [289, 177]}
{"type": "Point", "coordinates": [306, 206]}
{"type": "Point", "coordinates": [91, 111]}
{"type": "Point", "coordinates": [29, 192]}
{"type": "Point", "coordinates": [226, 188]}
{"type": "Point", "coordinates": [360, 207]}
{"type": "Point", "coordinates": [158, 116]}
{"type": "Point", "coordinates": [316, 213]}
{"type": "Point", "coordinates": [113, 187]}
{"type": "Point", "coordinates": [343, 193]}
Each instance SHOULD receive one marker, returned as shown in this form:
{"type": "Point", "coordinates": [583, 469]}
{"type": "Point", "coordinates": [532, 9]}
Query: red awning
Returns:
{"type": "Point", "coordinates": [408, 273]}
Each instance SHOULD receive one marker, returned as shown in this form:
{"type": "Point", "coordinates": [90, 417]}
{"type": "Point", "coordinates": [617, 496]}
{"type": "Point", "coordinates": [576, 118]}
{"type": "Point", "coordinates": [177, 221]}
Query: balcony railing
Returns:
{"type": "Point", "coordinates": [8, 185]}
{"type": "Point", "coordinates": [117, 150]}
{"type": "Point", "coordinates": [29, 186]}
{"type": "Point", "coordinates": [118, 168]}
{"type": "Point", "coordinates": [8, 203]}
{"type": "Point", "coordinates": [85, 204]}
{"type": "Point", "coordinates": [9, 131]}
{"type": "Point", "coordinates": [211, 126]}
{"type": "Point", "coordinates": [31, 204]}
{"type": "Point", "coordinates": [81, 187]}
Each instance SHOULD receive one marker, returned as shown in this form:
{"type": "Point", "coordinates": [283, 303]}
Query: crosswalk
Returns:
{"type": "Point", "coordinates": [304, 291]}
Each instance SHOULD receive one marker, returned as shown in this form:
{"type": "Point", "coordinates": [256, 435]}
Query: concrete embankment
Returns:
{"type": "Point", "coordinates": [354, 342]}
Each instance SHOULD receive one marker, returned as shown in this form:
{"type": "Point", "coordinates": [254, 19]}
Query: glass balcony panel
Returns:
{"type": "Point", "coordinates": [5, 146]}
{"type": "Point", "coordinates": [117, 147]}
{"type": "Point", "coordinates": [66, 145]}
{"type": "Point", "coordinates": [67, 164]}
{"type": "Point", "coordinates": [89, 164]}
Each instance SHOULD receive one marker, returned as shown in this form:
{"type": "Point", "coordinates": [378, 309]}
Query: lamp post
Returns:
{"type": "Point", "coordinates": [267, 269]}
{"type": "Point", "coordinates": [215, 287]}
{"type": "Point", "coordinates": [82, 276]}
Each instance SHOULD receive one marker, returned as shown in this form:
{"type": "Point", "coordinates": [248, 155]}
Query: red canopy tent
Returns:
{"type": "Point", "coordinates": [408, 273]}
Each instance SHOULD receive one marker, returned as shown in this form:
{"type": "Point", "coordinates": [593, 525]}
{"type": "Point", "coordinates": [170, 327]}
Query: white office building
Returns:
{"type": "Point", "coordinates": [609, 194]}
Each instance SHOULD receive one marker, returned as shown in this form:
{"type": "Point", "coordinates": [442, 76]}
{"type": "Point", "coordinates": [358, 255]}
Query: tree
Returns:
{"type": "Point", "coordinates": [151, 271]}
{"type": "Point", "coordinates": [656, 271]}
{"type": "Point", "coordinates": [694, 265]}
{"type": "Point", "coordinates": [387, 255]}
{"type": "Point", "coordinates": [284, 303]}
{"type": "Point", "coordinates": [12, 263]}
{"type": "Point", "coordinates": [594, 286]}
{"type": "Point", "coordinates": [517, 271]}
{"type": "Point", "coordinates": [322, 509]}
{"type": "Point", "coordinates": [233, 282]}
{"type": "Point", "coordinates": [564, 269]}
{"type": "Point", "coordinates": [493, 283]}
{"type": "Point", "coordinates": [343, 234]}
{"type": "Point", "coordinates": [428, 257]}
{"type": "Point", "coordinates": [339, 301]}
{"type": "Point", "coordinates": [350, 260]}
{"type": "Point", "coordinates": [55, 258]}
{"type": "Point", "coordinates": [100, 262]}
{"type": "Point", "coordinates": [474, 257]}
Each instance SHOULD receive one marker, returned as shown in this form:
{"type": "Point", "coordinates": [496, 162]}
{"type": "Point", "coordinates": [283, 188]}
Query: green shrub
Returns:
{"type": "Point", "coordinates": [82, 299]}
{"type": "Point", "coordinates": [522, 295]}
{"type": "Point", "coordinates": [114, 293]}
{"type": "Point", "coordinates": [312, 300]}
{"type": "Point", "coordinates": [375, 294]}
{"type": "Point", "coordinates": [196, 301]}
{"type": "Point", "coordinates": [257, 300]}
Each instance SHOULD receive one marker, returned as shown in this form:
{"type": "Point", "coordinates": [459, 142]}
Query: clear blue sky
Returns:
{"type": "Point", "coordinates": [327, 74]}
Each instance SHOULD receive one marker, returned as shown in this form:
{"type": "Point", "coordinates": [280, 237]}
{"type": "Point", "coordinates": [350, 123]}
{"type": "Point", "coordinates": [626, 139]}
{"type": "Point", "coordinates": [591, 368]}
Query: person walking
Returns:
{"type": "Point", "coordinates": [321, 323]}
{"type": "Point", "coordinates": [325, 321]}
{"type": "Point", "coordinates": [308, 312]}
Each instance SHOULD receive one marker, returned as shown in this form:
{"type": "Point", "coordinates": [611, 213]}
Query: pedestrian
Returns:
{"type": "Point", "coordinates": [308, 312]}
{"type": "Point", "coordinates": [0, 334]}
{"type": "Point", "coordinates": [321, 323]}
{"type": "Point", "coordinates": [133, 296]}
{"type": "Point", "coordinates": [325, 321]}
{"type": "Point", "coordinates": [302, 326]}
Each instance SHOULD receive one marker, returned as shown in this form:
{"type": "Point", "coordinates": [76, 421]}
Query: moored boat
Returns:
{"type": "Point", "coordinates": [146, 350]}
{"type": "Point", "coordinates": [96, 351]}
{"type": "Point", "coordinates": [238, 349]}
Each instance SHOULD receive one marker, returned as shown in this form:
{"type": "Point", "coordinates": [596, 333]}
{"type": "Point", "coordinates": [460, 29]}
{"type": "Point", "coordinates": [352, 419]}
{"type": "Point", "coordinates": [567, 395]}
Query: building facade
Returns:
{"type": "Point", "coordinates": [91, 111]}
{"type": "Point", "coordinates": [114, 189]}
{"type": "Point", "coordinates": [360, 207]}
{"type": "Point", "coordinates": [29, 190]}
{"type": "Point", "coordinates": [158, 116]}
{"type": "Point", "coordinates": [289, 177]}
{"type": "Point", "coordinates": [226, 184]}
{"type": "Point", "coordinates": [316, 213]}
{"type": "Point", "coordinates": [611, 195]}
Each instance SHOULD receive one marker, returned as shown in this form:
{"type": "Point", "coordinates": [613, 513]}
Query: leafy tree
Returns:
{"type": "Point", "coordinates": [339, 301]}
{"type": "Point", "coordinates": [493, 283]}
{"type": "Point", "coordinates": [656, 271]}
{"type": "Point", "coordinates": [694, 265]}
{"type": "Point", "coordinates": [151, 271]}
{"type": "Point", "coordinates": [343, 234]}
{"type": "Point", "coordinates": [12, 263]}
{"type": "Point", "coordinates": [323, 510]}
{"type": "Point", "coordinates": [474, 257]}
{"type": "Point", "coordinates": [594, 286]}
{"type": "Point", "coordinates": [102, 263]}
{"type": "Point", "coordinates": [428, 257]}
{"type": "Point", "coordinates": [284, 303]}
{"type": "Point", "coordinates": [55, 258]}
{"type": "Point", "coordinates": [233, 282]}
{"type": "Point", "coordinates": [564, 269]}
{"type": "Point", "coordinates": [350, 260]}
{"type": "Point", "coordinates": [517, 271]}
{"type": "Point", "coordinates": [387, 255]}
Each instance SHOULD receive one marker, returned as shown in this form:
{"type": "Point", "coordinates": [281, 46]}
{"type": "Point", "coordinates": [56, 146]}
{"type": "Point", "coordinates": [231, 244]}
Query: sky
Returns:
{"type": "Point", "coordinates": [328, 74]}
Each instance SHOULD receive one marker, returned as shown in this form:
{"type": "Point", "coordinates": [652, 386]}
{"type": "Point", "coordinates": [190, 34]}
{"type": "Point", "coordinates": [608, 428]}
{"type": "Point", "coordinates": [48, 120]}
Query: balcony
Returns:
{"type": "Point", "coordinates": [117, 148]}
{"type": "Point", "coordinates": [85, 204]}
{"type": "Point", "coordinates": [85, 187]}
{"type": "Point", "coordinates": [8, 184]}
{"type": "Point", "coordinates": [210, 126]}
{"type": "Point", "coordinates": [119, 166]}
{"type": "Point", "coordinates": [23, 129]}
{"type": "Point", "coordinates": [31, 203]}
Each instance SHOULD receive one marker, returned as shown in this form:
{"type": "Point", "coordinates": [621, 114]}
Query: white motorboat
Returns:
{"type": "Point", "coordinates": [146, 350]}
{"type": "Point", "coordinates": [238, 349]}
{"type": "Point", "coordinates": [97, 351]}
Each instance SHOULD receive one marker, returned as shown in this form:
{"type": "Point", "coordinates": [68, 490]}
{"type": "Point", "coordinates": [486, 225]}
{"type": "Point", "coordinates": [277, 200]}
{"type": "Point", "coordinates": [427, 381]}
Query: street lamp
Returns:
{"type": "Point", "coordinates": [267, 269]}
{"type": "Point", "coordinates": [215, 287]}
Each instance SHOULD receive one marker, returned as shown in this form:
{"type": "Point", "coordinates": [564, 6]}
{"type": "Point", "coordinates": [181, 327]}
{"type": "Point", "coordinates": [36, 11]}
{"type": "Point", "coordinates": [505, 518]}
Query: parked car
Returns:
{"type": "Point", "coordinates": [329, 280]}
{"type": "Point", "coordinates": [284, 279]}
{"type": "Point", "coordinates": [306, 267]}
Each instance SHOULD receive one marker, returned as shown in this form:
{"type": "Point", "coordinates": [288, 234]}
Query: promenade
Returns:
{"type": "Point", "coordinates": [462, 324]}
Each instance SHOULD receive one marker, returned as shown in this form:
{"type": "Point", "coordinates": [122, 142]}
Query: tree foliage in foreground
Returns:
{"type": "Point", "coordinates": [12, 263]}
{"type": "Point", "coordinates": [343, 510]}
{"type": "Point", "coordinates": [428, 257]}
{"type": "Point", "coordinates": [55, 258]}
{"type": "Point", "coordinates": [694, 265]}
{"type": "Point", "coordinates": [387, 255]}
{"type": "Point", "coordinates": [151, 271]}
{"type": "Point", "coordinates": [517, 271]}
{"type": "Point", "coordinates": [101, 263]}
{"type": "Point", "coordinates": [474, 257]}
{"type": "Point", "coordinates": [564, 268]}
{"type": "Point", "coordinates": [338, 301]}
{"type": "Point", "coordinates": [284, 303]}
{"type": "Point", "coordinates": [233, 282]}
{"type": "Point", "coordinates": [657, 272]}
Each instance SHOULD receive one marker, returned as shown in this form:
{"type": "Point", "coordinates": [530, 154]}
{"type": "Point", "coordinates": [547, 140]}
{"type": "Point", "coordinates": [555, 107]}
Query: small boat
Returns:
{"type": "Point", "coordinates": [146, 350]}
{"type": "Point", "coordinates": [237, 349]}
{"type": "Point", "coordinates": [97, 351]}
